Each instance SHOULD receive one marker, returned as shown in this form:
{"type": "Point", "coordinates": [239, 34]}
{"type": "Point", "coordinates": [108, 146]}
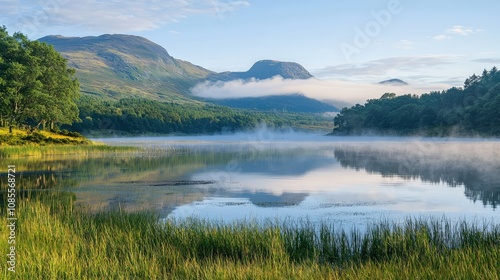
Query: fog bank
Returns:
{"type": "Point", "coordinates": [339, 91]}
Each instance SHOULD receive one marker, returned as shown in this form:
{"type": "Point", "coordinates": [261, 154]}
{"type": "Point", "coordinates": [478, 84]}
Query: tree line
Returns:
{"type": "Point", "coordinates": [36, 87]}
{"type": "Point", "coordinates": [135, 115]}
{"type": "Point", "coordinates": [473, 109]}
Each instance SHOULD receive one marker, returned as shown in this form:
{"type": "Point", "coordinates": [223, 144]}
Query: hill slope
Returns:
{"type": "Point", "coordinates": [121, 66]}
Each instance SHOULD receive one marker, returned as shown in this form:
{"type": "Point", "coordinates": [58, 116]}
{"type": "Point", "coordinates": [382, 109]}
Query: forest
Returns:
{"type": "Point", "coordinates": [471, 110]}
{"type": "Point", "coordinates": [136, 116]}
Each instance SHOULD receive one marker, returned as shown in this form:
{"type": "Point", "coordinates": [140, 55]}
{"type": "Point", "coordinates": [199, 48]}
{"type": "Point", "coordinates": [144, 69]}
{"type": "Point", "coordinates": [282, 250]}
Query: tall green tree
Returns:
{"type": "Point", "coordinates": [35, 84]}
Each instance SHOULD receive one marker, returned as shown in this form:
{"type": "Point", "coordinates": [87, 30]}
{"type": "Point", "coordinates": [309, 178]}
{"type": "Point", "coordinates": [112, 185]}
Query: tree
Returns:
{"type": "Point", "coordinates": [35, 84]}
{"type": "Point", "coordinates": [474, 109]}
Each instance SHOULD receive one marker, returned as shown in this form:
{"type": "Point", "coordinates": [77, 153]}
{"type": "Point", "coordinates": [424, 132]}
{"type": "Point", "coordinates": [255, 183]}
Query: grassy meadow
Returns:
{"type": "Point", "coordinates": [55, 240]}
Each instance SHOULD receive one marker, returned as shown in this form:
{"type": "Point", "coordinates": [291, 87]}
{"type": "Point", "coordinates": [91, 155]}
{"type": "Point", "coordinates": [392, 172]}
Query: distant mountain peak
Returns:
{"type": "Point", "coordinates": [394, 82]}
{"type": "Point", "coordinates": [266, 69]}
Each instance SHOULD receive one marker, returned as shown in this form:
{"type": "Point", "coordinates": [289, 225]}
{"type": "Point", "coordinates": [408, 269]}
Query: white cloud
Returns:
{"type": "Point", "coordinates": [337, 90]}
{"type": "Point", "coordinates": [10, 7]}
{"type": "Point", "coordinates": [461, 30]}
{"type": "Point", "coordinates": [109, 15]}
{"type": "Point", "coordinates": [441, 37]}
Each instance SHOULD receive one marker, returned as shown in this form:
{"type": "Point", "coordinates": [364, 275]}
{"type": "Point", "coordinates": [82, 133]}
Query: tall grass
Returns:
{"type": "Point", "coordinates": [58, 241]}
{"type": "Point", "coordinates": [59, 150]}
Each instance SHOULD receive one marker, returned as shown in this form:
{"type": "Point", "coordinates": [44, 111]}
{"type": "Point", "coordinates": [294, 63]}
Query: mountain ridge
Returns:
{"type": "Point", "coordinates": [120, 66]}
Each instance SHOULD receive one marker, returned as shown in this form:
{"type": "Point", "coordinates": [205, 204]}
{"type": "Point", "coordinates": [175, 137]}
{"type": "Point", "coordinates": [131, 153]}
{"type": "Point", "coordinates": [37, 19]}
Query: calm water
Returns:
{"type": "Point", "coordinates": [350, 181]}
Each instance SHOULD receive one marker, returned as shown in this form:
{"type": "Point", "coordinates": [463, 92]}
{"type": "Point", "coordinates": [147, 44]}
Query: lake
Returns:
{"type": "Point", "coordinates": [263, 175]}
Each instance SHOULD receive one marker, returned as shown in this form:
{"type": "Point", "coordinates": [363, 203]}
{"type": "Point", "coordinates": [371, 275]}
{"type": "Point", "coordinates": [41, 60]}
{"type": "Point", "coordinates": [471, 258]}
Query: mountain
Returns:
{"type": "Point", "coordinates": [394, 82]}
{"type": "Point", "coordinates": [266, 69]}
{"type": "Point", "coordinates": [296, 103]}
{"type": "Point", "coordinates": [121, 66]}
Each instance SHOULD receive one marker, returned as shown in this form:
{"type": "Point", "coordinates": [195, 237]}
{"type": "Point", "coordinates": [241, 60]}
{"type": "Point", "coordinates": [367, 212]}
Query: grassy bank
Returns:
{"type": "Point", "coordinates": [20, 143]}
{"type": "Point", "coordinates": [20, 137]}
{"type": "Point", "coordinates": [56, 241]}
{"type": "Point", "coordinates": [62, 150]}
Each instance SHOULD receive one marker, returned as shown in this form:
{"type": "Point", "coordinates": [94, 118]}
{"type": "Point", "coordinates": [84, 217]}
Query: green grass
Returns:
{"type": "Point", "coordinates": [40, 137]}
{"type": "Point", "coordinates": [45, 143]}
{"type": "Point", "coordinates": [61, 150]}
{"type": "Point", "coordinates": [57, 241]}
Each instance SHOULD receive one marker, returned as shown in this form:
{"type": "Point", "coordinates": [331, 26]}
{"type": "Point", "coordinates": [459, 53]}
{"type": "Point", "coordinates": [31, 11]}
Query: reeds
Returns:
{"type": "Point", "coordinates": [61, 150]}
{"type": "Point", "coordinates": [57, 241]}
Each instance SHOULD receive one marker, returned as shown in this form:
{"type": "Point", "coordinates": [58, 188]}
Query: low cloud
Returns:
{"type": "Point", "coordinates": [387, 66]}
{"type": "Point", "coordinates": [109, 15]}
{"type": "Point", "coordinates": [337, 91]}
{"type": "Point", "coordinates": [488, 60]}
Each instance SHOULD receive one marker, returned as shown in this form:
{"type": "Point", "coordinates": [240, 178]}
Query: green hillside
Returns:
{"type": "Point", "coordinates": [120, 66]}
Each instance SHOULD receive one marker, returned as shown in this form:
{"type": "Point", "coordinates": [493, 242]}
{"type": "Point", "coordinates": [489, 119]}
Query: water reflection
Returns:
{"type": "Point", "coordinates": [474, 165]}
{"type": "Point", "coordinates": [348, 181]}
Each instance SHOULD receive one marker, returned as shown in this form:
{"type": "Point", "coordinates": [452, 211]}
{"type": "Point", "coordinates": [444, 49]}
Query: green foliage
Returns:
{"type": "Point", "coordinates": [35, 84]}
{"type": "Point", "coordinates": [135, 115]}
{"type": "Point", "coordinates": [471, 110]}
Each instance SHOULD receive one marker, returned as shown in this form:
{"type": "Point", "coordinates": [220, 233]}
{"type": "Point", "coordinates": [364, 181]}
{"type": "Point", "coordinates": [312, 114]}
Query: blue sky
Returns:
{"type": "Point", "coordinates": [430, 44]}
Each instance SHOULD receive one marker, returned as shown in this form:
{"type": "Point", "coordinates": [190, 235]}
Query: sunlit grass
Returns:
{"type": "Point", "coordinates": [58, 150]}
{"type": "Point", "coordinates": [57, 241]}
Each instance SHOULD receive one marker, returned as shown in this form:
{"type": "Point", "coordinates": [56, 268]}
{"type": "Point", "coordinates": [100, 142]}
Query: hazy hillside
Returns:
{"type": "Point", "coordinates": [282, 103]}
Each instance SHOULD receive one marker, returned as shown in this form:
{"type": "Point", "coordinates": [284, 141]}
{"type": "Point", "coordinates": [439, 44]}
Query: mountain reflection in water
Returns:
{"type": "Point", "coordinates": [317, 177]}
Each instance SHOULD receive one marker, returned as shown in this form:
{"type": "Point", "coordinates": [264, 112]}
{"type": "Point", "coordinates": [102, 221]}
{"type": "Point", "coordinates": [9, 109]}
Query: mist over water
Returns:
{"type": "Point", "coordinates": [263, 174]}
{"type": "Point", "coordinates": [347, 180]}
